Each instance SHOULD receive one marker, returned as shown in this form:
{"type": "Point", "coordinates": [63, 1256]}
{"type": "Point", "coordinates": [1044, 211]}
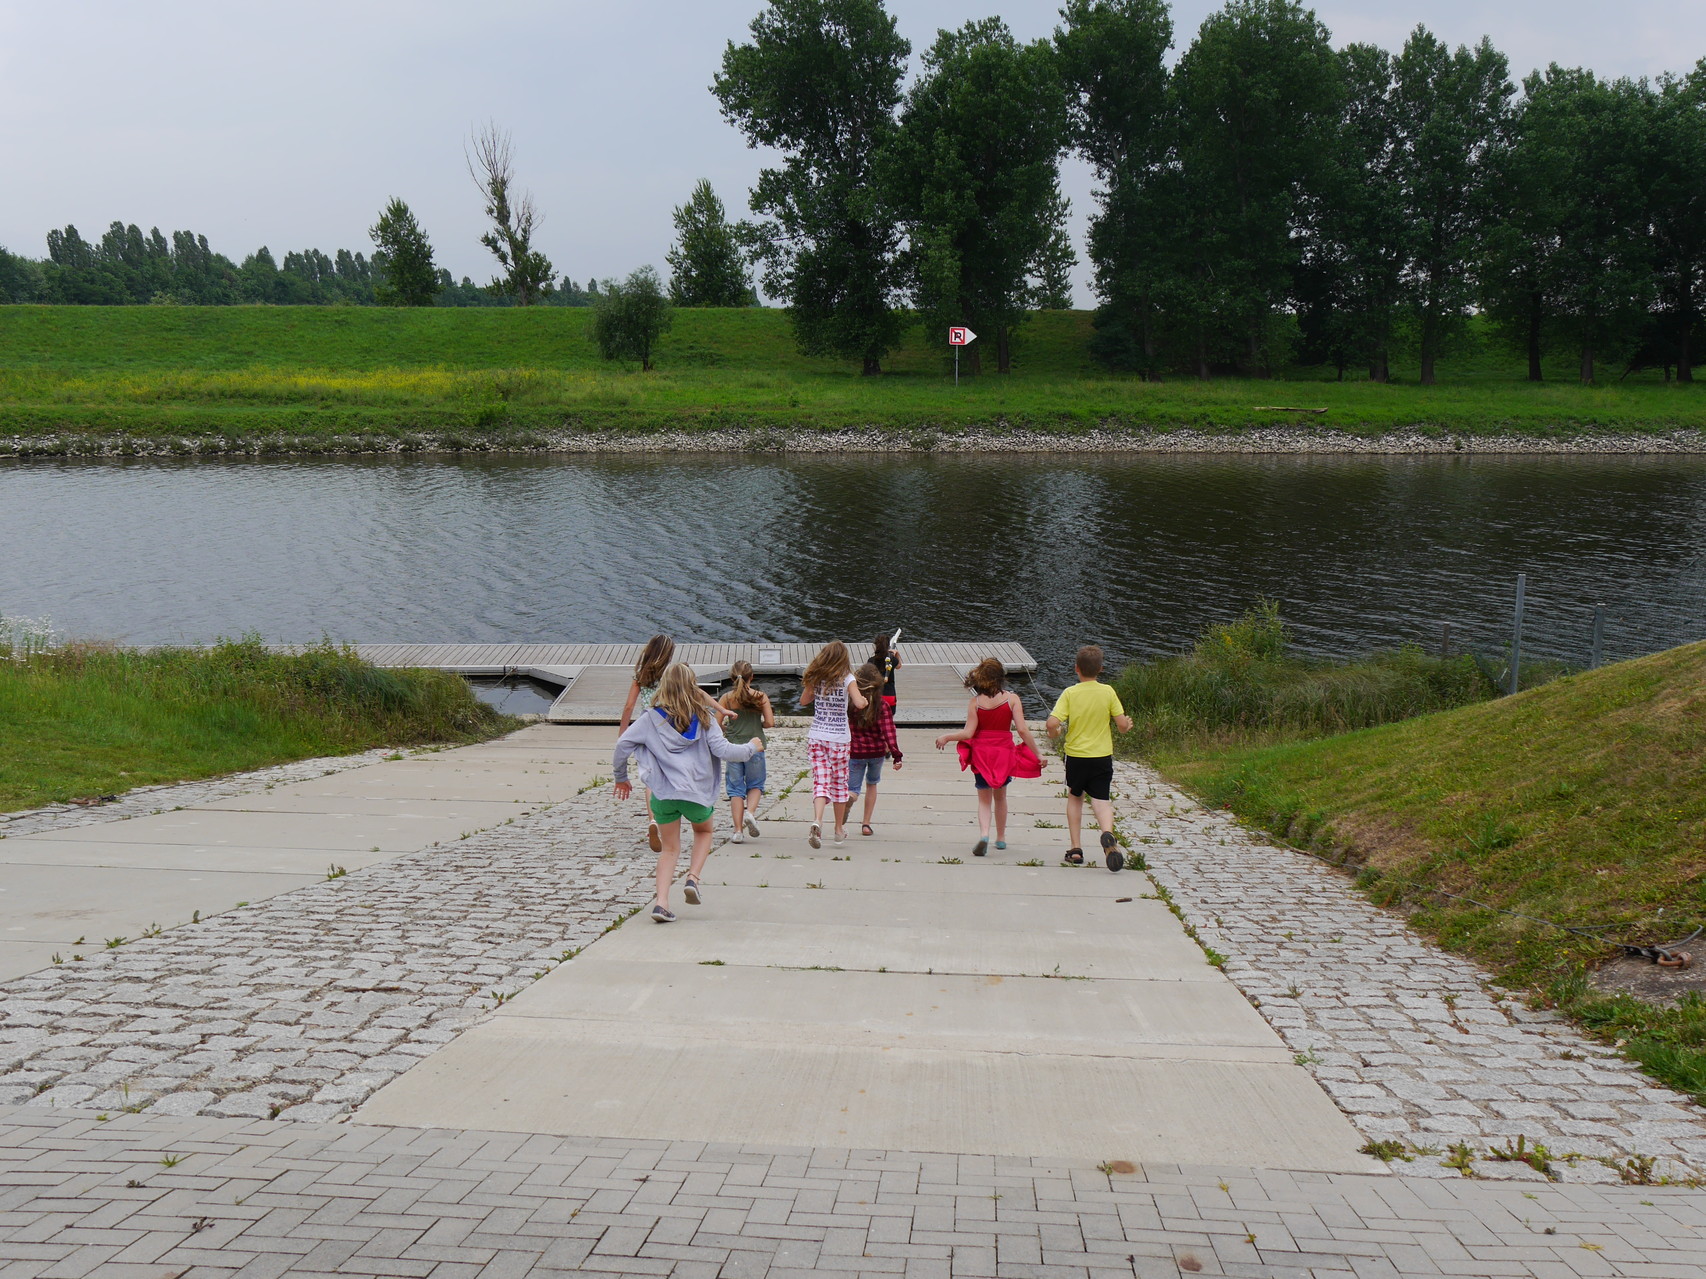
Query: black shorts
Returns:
{"type": "Point", "coordinates": [1089, 774]}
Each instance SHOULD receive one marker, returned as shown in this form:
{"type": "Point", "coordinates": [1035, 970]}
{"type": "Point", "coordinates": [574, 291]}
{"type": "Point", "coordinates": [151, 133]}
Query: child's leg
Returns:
{"type": "Point", "coordinates": [985, 801]}
{"type": "Point", "coordinates": [737, 810]}
{"type": "Point", "coordinates": [701, 848]}
{"type": "Point", "coordinates": [1104, 810]}
{"type": "Point", "coordinates": [669, 834]}
{"type": "Point", "coordinates": [753, 798]}
{"type": "Point", "coordinates": [1000, 793]}
{"type": "Point", "coordinates": [870, 801]}
{"type": "Point", "coordinates": [841, 808]}
{"type": "Point", "coordinates": [1074, 819]}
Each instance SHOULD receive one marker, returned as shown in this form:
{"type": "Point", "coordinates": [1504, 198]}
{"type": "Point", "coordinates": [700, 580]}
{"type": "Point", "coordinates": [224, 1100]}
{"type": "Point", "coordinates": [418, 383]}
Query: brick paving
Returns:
{"type": "Point", "coordinates": [259, 1198]}
{"type": "Point", "coordinates": [1414, 1044]}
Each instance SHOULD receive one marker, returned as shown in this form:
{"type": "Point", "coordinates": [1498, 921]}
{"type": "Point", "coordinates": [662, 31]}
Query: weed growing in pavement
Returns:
{"type": "Point", "coordinates": [1308, 1057]}
{"type": "Point", "coordinates": [171, 1161]}
{"type": "Point", "coordinates": [710, 963]}
{"type": "Point", "coordinates": [1386, 1150]}
{"type": "Point", "coordinates": [949, 861]}
{"type": "Point", "coordinates": [594, 784]}
{"type": "Point", "coordinates": [1034, 861]}
{"type": "Point", "coordinates": [818, 884]}
{"type": "Point", "coordinates": [1461, 1158]}
{"type": "Point", "coordinates": [336, 871]}
{"type": "Point", "coordinates": [113, 943]}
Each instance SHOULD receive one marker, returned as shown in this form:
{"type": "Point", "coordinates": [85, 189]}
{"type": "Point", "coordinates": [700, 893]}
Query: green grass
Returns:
{"type": "Point", "coordinates": [1241, 683]}
{"type": "Point", "coordinates": [1580, 802]}
{"type": "Point", "coordinates": [502, 376]}
{"type": "Point", "coordinates": [88, 720]}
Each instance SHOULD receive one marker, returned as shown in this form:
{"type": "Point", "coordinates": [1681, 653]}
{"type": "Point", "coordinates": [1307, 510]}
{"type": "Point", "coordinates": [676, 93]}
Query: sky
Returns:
{"type": "Point", "coordinates": [290, 124]}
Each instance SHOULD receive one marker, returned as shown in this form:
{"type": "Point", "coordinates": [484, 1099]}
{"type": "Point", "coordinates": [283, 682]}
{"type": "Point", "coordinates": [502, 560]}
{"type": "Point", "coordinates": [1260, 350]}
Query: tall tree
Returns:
{"type": "Point", "coordinates": [1051, 267]}
{"type": "Point", "coordinates": [1257, 97]}
{"type": "Point", "coordinates": [706, 265]}
{"type": "Point", "coordinates": [1450, 109]}
{"type": "Point", "coordinates": [407, 274]}
{"type": "Point", "coordinates": [1354, 230]}
{"type": "Point", "coordinates": [974, 168]}
{"type": "Point", "coordinates": [630, 316]}
{"type": "Point", "coordinates": [819, 81]}
{"type": "Point", "coordinates": [1677, 195]}
{"type": "Point", "coordinates": [527, 274]}
{"type": "Point", "coordinates": [1112, 59]}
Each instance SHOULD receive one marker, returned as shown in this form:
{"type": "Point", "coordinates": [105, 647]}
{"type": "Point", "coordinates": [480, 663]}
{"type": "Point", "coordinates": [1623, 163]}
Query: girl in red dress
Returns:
{"type": "Point", "coordinates": [988, 749]}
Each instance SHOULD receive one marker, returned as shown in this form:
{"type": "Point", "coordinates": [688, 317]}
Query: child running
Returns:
{"type": "Point", "coordinates": [1085, 711]}
{"type": "Point", "coordinates": [887, 660]}
{"type": "Point", "coordinates": [827, 687]}
{"type": "Point", "coordinates": [873, 741]}
{"type": "Point", "coordinates": [654, 660]}
{"type": "Point", "coordinates": [679, 743]}
{"type": "Point", "coordinates": [993, 715]}
{"type": "Point", "coordinates": [752, 715]}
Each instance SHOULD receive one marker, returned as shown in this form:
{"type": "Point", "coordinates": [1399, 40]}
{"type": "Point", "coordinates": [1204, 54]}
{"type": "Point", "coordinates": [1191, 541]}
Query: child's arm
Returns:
{"type": "Point", "coordinates": [625, 745]}
{"type": "Point", "coordinates": [628, 708]}
{"type": "Point", "coordinates": [769, 720]}
{"type": "Point", "coordinates": [1053, 727]}
{"type": "Point", "coordinates": [855, 698]}
{"type": "Point", "coordinates": [723, 748]}
{"type": "Point", "coordinates": [808, 695]}
{"type": "Point", "coordinates": [964, 733]}
{"type": "Point", "coordinates": [891, 742]}
{"type": "Point", "coordinates": [1019, 723]}
{"type": "Point", "coordinates": [1123, 723]}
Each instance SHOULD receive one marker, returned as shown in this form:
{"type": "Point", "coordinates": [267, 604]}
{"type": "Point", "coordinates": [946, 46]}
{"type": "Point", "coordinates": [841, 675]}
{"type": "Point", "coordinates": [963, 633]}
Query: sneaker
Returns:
{"type": "Point", "coordinates": [840, 838]}
{"type": "Point", "coordinates": [662, 915]}
{"type": "Point", "coordinates": [737, 838]}
{"type": "Point", "coordinates": [691, 892]}
{"type": "Point", "coordinates": [752, 825]}
{"type": "Point", "coordinates": [1110, 846]}
{"type": "Point", "coordinates": [814, 837]}
{"type": "Point", "coordinates": [654, 837]}
{"type": "Point", "coordinates": [981, 848]}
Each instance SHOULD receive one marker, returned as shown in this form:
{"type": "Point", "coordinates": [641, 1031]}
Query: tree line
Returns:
{"type": "Point", "coordinates": [1264, 199]}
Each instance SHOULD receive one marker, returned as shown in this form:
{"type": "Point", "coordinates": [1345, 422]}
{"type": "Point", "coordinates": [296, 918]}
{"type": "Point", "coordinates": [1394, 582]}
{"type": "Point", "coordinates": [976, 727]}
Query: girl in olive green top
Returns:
{"type": "Point", "coordinates": [745, 782]}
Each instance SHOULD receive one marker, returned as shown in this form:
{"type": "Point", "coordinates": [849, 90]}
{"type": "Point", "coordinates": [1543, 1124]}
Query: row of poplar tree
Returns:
{"type": "Point", "coordinates": [1265, 199]}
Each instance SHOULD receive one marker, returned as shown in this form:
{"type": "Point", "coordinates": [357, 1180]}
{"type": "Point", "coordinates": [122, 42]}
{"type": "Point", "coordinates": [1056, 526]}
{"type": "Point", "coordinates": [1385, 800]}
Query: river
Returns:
{"type": "Point", "coordinates": [1136, 552]}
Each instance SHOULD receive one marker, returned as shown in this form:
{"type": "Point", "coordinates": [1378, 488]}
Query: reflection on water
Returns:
{"type": "Point", "coordinates": [1135, 552]}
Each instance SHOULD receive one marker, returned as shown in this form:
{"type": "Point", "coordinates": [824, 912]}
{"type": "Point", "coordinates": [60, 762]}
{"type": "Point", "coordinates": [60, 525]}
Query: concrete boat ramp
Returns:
{"type": "Point", "coordinates": [895, 993]}
{"type": "Point", "coordinates": [594, 678]}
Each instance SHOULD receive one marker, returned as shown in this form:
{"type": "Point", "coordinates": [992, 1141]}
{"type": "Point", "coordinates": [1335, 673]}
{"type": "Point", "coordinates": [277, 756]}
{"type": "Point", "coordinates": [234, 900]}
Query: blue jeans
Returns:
{"type": "Point", "coordinates": [860, 771]}
{"type": "Point", "coordinates": [740, 778]}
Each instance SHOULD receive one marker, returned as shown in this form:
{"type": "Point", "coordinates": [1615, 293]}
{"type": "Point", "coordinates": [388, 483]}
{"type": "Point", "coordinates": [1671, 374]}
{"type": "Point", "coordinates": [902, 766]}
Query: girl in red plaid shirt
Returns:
{"type": "Point", "coordinates": [873, 741]}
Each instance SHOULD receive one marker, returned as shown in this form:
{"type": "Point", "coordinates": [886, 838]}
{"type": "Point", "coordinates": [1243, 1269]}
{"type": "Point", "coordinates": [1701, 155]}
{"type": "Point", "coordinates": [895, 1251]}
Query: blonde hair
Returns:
{"type": "Point", "coordinates": [988, 677]}
{"type": "Point", "coordinates": [830, 668]}
{"type": "Point", "coordinates": [870, 683]}
{"type": "Point", "coordinates": [743, 696]}
{"type": "Point", "coordinates": [679, 698]}
{"type": "Point", "coordinates": [653, 659]}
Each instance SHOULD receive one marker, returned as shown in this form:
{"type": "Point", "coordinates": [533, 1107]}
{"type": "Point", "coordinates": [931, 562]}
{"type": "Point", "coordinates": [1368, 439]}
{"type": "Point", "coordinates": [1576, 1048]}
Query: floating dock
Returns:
{"type": "Point", "coordinates": [594, 678]}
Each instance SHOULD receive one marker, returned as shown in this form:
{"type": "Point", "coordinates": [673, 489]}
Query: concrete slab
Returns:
{"type": "Point", "coordinates": [942, 1011]}
{"type": "Point", "coordinates": [445, 781]}
{"type": "Point", "coordinates": [978, 905]}
{"type": "Point", "coordinates": [732, 866]}
{"type": "Point", "coordinates": [473, 814]}
{"type": "Point", "coordinates": [29, 851]}
{"type": "Point", "coordinates": [60, 903]}
{"type": "Point", "coordinates": [819, 942]}
{"type": "Point", "coordinates": [521, 1074]}
{"type": "Point", "coordinates": [18, 958]}
{"type": "Point", "coordinates": [347, 832]}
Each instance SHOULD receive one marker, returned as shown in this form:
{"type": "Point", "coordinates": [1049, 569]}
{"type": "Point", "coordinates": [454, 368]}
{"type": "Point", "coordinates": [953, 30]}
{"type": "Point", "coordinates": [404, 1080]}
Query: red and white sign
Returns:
{"type": "Point", "coordinates": [960, 336]}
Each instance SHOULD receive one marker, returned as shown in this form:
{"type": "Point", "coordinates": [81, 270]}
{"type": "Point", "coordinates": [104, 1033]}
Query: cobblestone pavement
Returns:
{"type": "Point", "coordinates": [156, 1197]}
{"type": "Point", "coordinates": [145, 800]}
{"type": "Point", "coordinates": [1416, 1045]}
{"type": "Point", "coordinates": [302, 1005]}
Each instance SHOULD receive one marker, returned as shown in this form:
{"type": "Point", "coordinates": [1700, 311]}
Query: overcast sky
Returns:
{"type": "Point", "coordinates": [290, 124]}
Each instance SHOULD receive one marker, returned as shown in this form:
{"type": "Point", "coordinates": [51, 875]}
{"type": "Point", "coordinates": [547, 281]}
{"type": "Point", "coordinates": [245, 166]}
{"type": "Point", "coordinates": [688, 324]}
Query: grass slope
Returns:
{"type": "Point", "coordinates": [494, 373]}
{"type": "Point", "coordinates": [1581, 801]}
{"type": "Point", "coordinates": [91, 721]}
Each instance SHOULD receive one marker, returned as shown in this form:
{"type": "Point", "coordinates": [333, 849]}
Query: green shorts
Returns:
{"type": "Point", "coordinates": [666, 811]}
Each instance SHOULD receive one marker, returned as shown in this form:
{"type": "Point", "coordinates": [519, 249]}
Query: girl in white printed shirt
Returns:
{"type": "Point", "coordinates": [828, 688]}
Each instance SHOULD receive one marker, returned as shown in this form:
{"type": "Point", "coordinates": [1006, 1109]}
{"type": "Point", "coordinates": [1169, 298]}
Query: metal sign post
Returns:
{"type": "Point", "coordinates": [958, 336]}
{"type": "Point", "coordinates": [1516, 635]}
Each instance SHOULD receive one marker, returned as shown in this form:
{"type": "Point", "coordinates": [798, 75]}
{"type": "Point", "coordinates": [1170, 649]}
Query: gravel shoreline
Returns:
{"type": "Point", "coordinates": [876, 440]}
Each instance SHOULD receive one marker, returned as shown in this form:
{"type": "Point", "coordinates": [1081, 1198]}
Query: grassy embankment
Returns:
{"type": "Point", "coordinates": [1579, 802]}
{"type": "Point", "coordinates": [88, 720]}
{"type": "Point", "coordinates": [483, 378]}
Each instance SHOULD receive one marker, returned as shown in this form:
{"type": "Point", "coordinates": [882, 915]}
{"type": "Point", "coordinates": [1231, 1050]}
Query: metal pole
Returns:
{"type": "Point", "coordinates": [956, 366]}
{"type": "Point", "coordinates": [1445, 639]}
{"type": "Point", "coordinates": [1598, 637]}
{"type": "Point", "coordinates": [1516, 635]}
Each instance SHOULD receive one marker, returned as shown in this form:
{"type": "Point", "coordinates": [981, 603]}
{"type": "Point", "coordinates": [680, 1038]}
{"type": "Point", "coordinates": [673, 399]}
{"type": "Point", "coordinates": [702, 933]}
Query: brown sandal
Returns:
{"type": "Point", "coordinates": [865, 828]}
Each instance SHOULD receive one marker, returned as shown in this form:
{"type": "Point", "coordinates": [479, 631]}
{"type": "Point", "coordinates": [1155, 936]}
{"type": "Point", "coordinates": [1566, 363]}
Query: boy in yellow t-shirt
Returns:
{"type": "Point", "coordinates": [1085, 711]}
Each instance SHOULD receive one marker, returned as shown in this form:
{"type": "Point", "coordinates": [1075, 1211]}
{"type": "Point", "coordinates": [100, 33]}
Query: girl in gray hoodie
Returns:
{"type": "Point", "coordinates": [679, 745]}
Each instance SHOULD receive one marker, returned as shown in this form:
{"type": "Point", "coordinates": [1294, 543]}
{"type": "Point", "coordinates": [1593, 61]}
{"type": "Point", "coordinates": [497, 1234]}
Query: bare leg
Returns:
{"type": "Point", "coordinates": [1104, 811]}
{"type": "Point", "coordinates": [870, 801]}
{"type": "Point", "coordinates": [1074, 819]}
{"type": "Point", "coordinates": [670, 835]}
{"type": "Point", "coordinates": [701, 849]}
{"type": "Point", "coordinates": [753, 798]}
{"type": "Point", "coordinates": [985, 801]}
{"type": "Point", "coordinates": [841, 807]}
{"type": "Point", "coordinates": [737, 811]}
{"type": "Point", "coordinates": [818, 804]}
{"type": "Point", "coordinates": [1000, 812]}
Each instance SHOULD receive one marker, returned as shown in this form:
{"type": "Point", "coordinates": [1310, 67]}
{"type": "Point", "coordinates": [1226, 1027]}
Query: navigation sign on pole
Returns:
{"type": "Point", "coordinates": [958, 336]}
